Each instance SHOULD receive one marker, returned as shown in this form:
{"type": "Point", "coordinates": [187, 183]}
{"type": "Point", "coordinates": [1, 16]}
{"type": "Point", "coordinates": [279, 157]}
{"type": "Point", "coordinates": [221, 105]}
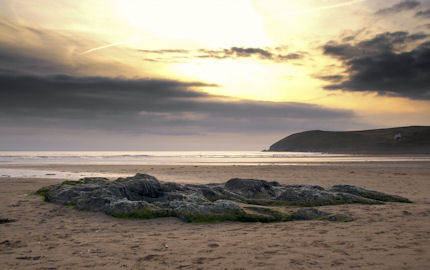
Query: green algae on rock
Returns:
{"type": "Point", "coordinates": [247, 200]}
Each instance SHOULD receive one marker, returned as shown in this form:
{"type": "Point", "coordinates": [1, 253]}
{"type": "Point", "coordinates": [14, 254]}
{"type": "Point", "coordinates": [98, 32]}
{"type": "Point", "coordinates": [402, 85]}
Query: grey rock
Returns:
{"type": "Point", "coordinates": [264, 192]}
{"type": "Point", "coordinates": [126, 207]}
{"type": "Point", "coordinates": [143, 196]}
{"type": "Point", "coordinates": [371, 194]}
{"type": "Point", "coordinates": [208, 211]}
{"type": "Point", "coordinates": [93, 179]}
{"type": "Point", "coordinates": [252, 188]}
{"type": "Point", "coordinates": [311, 196]}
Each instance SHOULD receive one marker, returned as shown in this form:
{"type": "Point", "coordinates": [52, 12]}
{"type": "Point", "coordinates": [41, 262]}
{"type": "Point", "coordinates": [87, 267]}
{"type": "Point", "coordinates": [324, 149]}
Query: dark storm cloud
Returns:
{"type": "Point", "coordinates": [229, 53]}
{"type": "Point", "coordinates": [382, 43]}
{"type": "Point", "coordinates": [399, 7]}
{"type": "Point", "coordinates": [137, 105]}
{"type": "Point", "coordinates": [423, 13]}
{"type": "Point", "coordinates": [29, 92]}
{"type": "Point", "coordinates": [385, 65]}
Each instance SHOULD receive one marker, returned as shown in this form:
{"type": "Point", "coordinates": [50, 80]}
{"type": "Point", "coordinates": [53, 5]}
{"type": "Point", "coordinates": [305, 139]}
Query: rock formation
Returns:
{"type": "Point", "coordinates": [143, 196]}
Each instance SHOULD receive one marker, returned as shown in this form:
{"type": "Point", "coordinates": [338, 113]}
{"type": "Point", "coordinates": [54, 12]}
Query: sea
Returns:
{"type": "Point", "coordinates": [13, 163]}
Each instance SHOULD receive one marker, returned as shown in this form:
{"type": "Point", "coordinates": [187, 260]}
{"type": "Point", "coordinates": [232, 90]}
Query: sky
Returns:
{"type": "Point", "coordinates": [207, 75]}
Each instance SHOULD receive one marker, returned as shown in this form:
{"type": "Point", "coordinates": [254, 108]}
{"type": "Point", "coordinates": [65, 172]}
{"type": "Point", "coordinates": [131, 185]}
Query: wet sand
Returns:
{"type": "Point", "coordinates": [390, 236]}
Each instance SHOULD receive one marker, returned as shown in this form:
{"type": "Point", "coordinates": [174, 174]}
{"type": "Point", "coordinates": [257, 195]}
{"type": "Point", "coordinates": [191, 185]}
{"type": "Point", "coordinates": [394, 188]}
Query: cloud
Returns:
{"type": "Point", "coordinates": [34, 49]}
{"type": "Point", "coordinates": [382, 43]}
{"type": "Point", "coordinates": [228, 53]}
{"type": "Point", "coordinates": [385, 64]}
{"type": "Point", "coordinates": [332, 78]}
{"type": "Point", "coordinates": [237, 52]}
{"type": "Point", "coordinates": [247, 52]}
{"type": "Point", "coordinates": [423, 13]}
{"type": "Point", "coordinates": [166, 51]}
{"type": "Point", "coordinates": [322, 8]}
{"type": "Point", "coordinates": [115, 44]}
{"type": "Point", "coordinates": [47, 99]}
{"type": "Point", "coordinates": [17, 59]}
{"type": "Point", "coordinates": [144, 106]}
{"type": "Point", "coordinates": [399, 7]}
{"type": "Point", "coordinates": [24, 48]}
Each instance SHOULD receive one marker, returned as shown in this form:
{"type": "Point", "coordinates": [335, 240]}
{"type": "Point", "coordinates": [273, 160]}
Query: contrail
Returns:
{"type": "Point", "coordinates": [324, 7]}
{"type": "Point", "coordinates": [111, 45]}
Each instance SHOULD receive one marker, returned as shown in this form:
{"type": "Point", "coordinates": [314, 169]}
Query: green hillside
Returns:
{"type": "Point", "coordinates": [400, 140]}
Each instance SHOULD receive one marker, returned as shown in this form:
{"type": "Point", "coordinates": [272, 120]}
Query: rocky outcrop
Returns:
{"type": "Point", "coordinates": [143, 196]}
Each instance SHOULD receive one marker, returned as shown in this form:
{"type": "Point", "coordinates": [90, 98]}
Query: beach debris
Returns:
{"type": "Point", "coordinates": [34, 258]}
{"type": "Point", "coordinates": [143, 196]}
{"type": "Point", "coordinates": [6, 220]}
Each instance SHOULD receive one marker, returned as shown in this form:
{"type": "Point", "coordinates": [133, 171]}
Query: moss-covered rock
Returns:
{"type": "Point", "coordinates": [247, 200]}
{"type": "Point", "coordinates": [43, 192]}
{"type": "Point", "coordinates": [85, 180]}
{"type": "Point", "coordinates": [370, 194]}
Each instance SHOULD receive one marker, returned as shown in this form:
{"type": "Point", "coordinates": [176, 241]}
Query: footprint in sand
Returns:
{"type": "Point", "coordinates": [150, 257]}
{"type": "Point", "coordinates": [12, 244]}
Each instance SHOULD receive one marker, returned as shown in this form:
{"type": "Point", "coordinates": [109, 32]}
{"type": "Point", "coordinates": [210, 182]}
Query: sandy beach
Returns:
{"type": "Point", "coordinates": [225, 135]}
{"type": "Point", "coordinates": [390, 236]}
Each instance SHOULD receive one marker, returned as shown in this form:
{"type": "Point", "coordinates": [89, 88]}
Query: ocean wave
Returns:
{"type": "Point", "coordinates": [191, 157]}
{"type": "Point", "coordinates": [164, 155]}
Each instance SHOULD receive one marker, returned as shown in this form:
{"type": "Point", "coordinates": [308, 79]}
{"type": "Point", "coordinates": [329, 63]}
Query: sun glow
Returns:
{"type": "Point", "coordinates": [248, 79]}
{"type": "Point", "coordinates": [211, 24]}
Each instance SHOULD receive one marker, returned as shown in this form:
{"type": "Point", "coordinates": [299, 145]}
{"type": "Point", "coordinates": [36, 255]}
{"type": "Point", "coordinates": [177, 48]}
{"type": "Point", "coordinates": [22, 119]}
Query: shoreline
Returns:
{"type": "Point", "coordinates": [198, 158]}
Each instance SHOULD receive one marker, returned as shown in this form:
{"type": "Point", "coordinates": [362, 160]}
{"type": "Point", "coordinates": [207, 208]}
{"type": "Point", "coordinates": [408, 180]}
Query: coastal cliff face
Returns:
{"type": "Point", "coordinates": [400, 140]}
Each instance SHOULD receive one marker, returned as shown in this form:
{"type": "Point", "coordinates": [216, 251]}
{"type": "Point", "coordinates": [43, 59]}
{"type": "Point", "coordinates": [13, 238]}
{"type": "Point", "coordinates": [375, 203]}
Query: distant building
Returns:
{"type": "Point", "coordinates": [398, 136]}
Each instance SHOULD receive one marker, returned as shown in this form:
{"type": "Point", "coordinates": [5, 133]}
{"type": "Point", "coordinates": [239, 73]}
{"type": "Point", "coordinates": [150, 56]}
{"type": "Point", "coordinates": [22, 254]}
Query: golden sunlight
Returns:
{"type": "Point", "coordinates": [210, 24]}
